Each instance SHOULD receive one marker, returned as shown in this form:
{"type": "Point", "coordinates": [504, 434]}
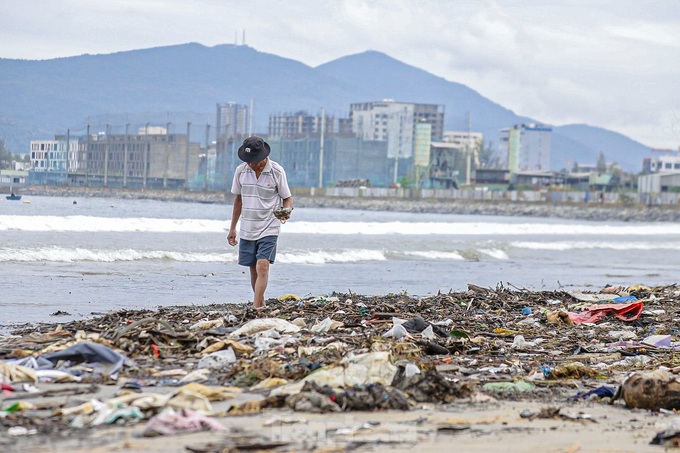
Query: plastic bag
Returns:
{"type": "Point", "coordinates": [218, 360]}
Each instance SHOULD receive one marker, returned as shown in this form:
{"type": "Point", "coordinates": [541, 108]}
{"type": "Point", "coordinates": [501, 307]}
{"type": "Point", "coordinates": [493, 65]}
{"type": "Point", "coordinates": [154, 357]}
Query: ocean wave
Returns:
{"type": "Point", "coordinates": [67, 255]}
{"type": "Point", "coordinates": [109, 224]}
{"type": "Point", "coordinates": [435, 255]}
{"type": "Point", "coordinates": [72, 255]}
{"type": "Point", "coordinates": [158, 225]}
{"type": "Point", "coordinates": [583, 245]}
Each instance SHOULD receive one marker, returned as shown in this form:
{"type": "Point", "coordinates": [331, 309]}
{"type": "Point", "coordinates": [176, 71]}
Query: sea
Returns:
{"type": "Point", "coordinates": [66, 258]}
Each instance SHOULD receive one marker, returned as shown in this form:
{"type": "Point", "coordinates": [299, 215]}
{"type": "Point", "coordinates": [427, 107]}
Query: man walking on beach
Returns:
{"type": "Point", "coordinates": [263, 201]}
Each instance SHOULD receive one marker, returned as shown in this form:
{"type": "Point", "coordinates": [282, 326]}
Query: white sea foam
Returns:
{"type": "Point", "coordinates": [495, 253]}
{"type": "Point", "coordinates": [323, 257]}
{"type": "Point", "coordinates": [109, 224]}
{"type": "Point", "coordinates": [157, 225]}
{"type": "Point", "coordinates": [71, 255]}
{"type": "Point", "coordinates": [435, 255]}
{"type": "Point", "coordinates": [583, 245]}
{"type": "Point", "coordinates": [67, 255]}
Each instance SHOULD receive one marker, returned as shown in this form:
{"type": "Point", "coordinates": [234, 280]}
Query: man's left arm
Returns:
{"type": "Point", "coordinates": [284, 192]}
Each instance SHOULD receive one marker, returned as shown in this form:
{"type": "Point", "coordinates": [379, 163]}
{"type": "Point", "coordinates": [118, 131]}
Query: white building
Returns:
{"type": "Point", "coordinates": [659, 182]}
{"type": "Point", "coordinates": [527, 147]}
{"type": "Point", "coordinates": [469, 139]}
{"type": "Point", "coordinates": [232, 120]}
{"type": "Point", "coordinates": [395, 123]}
{"type": "Point", "coordinates": [52, 155]}
{"type": "Point", "coordinates": [661, 164]}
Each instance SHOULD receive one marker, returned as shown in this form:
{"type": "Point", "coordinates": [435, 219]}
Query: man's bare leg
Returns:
{"type": "Point", "coordinates": [259, 278]}
{"type": "Point", "coordinates": [253, 277]}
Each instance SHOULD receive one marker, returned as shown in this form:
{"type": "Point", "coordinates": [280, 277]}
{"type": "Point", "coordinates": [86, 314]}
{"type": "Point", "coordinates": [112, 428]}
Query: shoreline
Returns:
{"type": "Point", "coordinates": [573, 211]}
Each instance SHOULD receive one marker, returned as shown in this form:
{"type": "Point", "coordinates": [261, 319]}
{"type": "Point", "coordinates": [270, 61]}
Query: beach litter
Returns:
{"type": "Point", "coordinates": [186, 369]}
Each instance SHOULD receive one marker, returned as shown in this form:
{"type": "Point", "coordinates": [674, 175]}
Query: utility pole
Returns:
{"type": "Point", "coordinates": [467, 148]}
{"type": "Point", "coordinates": [86, 158]}
{"type": "Point", "coordinates": [398, 146]}
{"type": "Point", "coordinates": [186, 158]}
{"type": "Point", "coordinates": [226, 159]}
{"type": "Point", "coordinates": [250, 112]}
{"type": "Point", "coordinates": [126, 154]}
{"type": "Point", "coordinates": [167, 154]}
{"type": "Point", "coordinates": [47, 165]}
{"type": "Point", "coordinates": [68, 148]}
{"type": "Point", "coordinates": [207, 151]}
{"type": "Point", "coordinates": [147, 150]}
{"type": "Point", "coordinates": [323, 131]}
{"type": "Point", "coordinates": [106, 156]}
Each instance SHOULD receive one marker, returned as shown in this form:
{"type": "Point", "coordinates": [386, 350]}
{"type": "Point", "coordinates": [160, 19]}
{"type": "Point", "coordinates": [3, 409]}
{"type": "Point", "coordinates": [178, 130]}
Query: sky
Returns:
{"type": "Point", "coordinates": [613, 64]}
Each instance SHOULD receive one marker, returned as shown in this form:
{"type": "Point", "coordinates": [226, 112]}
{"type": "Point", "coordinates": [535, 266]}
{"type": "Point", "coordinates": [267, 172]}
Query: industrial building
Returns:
{"type": "Point", "coordinates": [153, 157]}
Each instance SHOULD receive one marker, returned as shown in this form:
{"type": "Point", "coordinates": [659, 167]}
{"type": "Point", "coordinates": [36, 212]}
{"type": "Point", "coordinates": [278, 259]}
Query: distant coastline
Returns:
{"type": "Point", "coordinates": [582, 211]}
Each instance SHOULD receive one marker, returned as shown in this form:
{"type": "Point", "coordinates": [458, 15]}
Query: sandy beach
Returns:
{"type": "Point", "coordinates": [495, 425]}
{"type": "Point", "coordinates": [508, 375]}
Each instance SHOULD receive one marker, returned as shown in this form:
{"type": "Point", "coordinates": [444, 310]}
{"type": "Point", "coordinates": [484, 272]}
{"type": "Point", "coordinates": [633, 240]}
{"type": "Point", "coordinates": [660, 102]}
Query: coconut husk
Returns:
{"type": "Point", "coordinates": [654, 390]}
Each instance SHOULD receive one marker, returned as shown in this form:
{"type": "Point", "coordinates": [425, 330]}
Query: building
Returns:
{"type": "Point", "coordinates": [153, 153]}
{"type": "Point", "coordinates": [471, 139]}
{"type": "Point", "coordinates": [469, 145]}
{"type": "Point", "coordinates": [233, 123]}
{"type": "Point", "coordinates": [51, 155]}
{"type": "Point", "coordinates": [422, 146]}
{"type": "Point", "coordinates": [659, 182]}
{"type": "Point", "coordinates": [526, 147]}
{"type": "Point", "coordinates": [299, 124]}
{"type": "Point", "coordinates": [344, 158]}
{"type": "Point", "coordinates": [13, 178]}
{"type": "Point", "coordinates": [492, 176]}
{"type": "Point", "coordinates": [447, 164]}
{"type": "Point", "coordinates": [231, 120]}
{"type": "Point", "coordinates": [151, 158]}
{"type": "Point", "coordinates": [533, 178]}
{"type": "Point", "coordinates": [395, 123]}
{"type": "Point", "coordinates": [661, 164]}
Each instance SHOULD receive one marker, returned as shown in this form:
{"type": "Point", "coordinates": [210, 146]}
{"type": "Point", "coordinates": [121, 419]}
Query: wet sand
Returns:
{"type": "Point", "coordinates": [494, 425]}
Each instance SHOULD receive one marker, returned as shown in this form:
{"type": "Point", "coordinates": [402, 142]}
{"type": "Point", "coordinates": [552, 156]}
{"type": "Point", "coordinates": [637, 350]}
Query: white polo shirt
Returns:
{"type": "Point", "coordinates": [260, 197]}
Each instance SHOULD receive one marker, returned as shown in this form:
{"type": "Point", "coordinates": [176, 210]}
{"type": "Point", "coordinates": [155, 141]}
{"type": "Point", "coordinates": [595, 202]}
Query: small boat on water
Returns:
{"type": "Point", "coordinates": [13, 197]}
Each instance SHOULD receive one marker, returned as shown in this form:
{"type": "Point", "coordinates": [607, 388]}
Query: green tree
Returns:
{"type": "Point", "coordinates": [601, 165]}
{"type": "Point", "coordinates": [407, 182]}
{"type": "Point", "coordinates": [5, 156]}
{"type": "Point", "coordinates": [488, 158]}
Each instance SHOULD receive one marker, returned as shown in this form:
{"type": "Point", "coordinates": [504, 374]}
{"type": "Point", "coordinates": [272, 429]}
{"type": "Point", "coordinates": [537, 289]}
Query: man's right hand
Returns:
{"type": "Point", "coordinates": [231, 238]}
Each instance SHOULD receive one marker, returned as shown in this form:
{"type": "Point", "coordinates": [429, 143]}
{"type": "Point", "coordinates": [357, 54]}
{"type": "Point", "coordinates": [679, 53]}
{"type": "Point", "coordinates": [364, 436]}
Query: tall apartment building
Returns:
{"type": "Point", "coordinates": [526, 147]}
{"type": "Point", "coordinates": [299, 124]}
{"type": "Point", "coordinates": [395, 123]}
{"type": "Point", "coordinates": [232, 120]}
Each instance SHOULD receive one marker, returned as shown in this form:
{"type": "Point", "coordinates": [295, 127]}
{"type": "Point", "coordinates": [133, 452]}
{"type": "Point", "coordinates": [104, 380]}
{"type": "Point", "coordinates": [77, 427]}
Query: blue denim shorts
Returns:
{"type": "Point", "coordinates": [262, 249]}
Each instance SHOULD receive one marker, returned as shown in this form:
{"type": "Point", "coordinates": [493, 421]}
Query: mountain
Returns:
{"type": "Point", "coordinates": [176, 84]}
{"type": "Point", "coordinates": [590, 141]}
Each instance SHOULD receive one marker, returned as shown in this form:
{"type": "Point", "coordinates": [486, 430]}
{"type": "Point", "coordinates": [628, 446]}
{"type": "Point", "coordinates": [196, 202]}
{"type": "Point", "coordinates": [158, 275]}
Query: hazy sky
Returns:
{"type": "Point", "coordinates": [608, 63]}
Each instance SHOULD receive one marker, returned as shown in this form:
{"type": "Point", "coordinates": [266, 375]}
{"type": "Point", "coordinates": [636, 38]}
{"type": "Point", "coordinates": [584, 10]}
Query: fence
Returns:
{"type": "Point", "coordinates": [538, 196]}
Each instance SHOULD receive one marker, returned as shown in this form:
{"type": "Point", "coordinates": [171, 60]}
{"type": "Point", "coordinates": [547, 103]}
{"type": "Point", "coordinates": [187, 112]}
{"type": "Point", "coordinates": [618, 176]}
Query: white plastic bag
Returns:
{"type": "Point", "coordinates": [218, 360]}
